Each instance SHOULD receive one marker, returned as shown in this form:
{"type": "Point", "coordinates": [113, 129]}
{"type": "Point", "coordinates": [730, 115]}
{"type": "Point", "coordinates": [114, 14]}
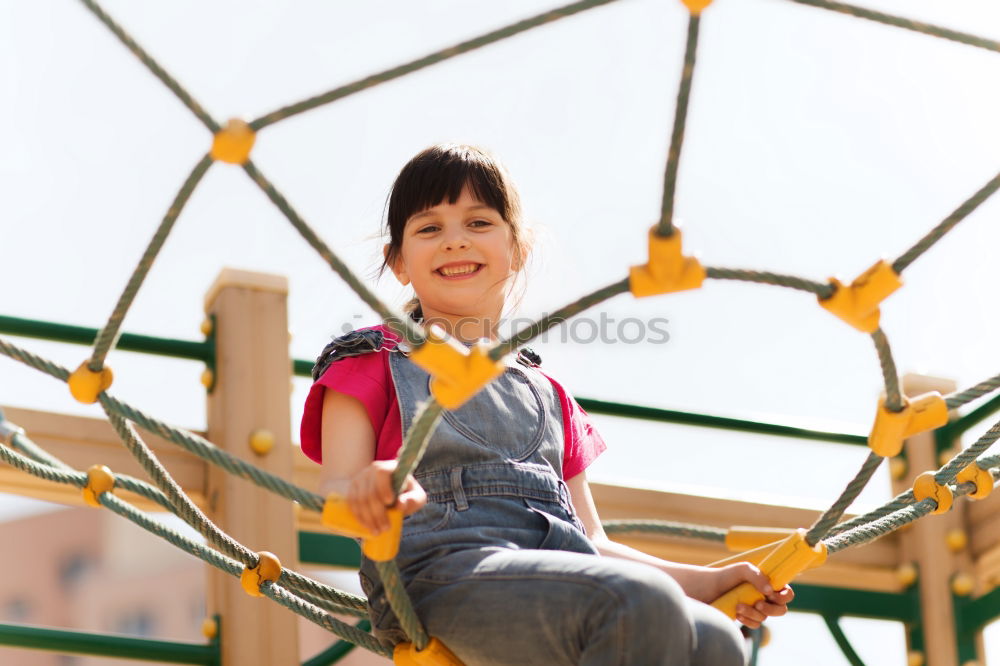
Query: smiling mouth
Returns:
{"type": "Point", "coordinates": [458, 271]}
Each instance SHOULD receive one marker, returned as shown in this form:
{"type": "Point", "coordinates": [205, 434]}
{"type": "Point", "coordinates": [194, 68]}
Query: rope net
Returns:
{"type": "Point", "coordinates": [319, 602]}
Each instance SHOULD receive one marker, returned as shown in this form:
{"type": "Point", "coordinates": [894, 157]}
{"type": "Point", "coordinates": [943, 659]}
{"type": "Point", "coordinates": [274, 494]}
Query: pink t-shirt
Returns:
{"type": "Point", "coordinates": [367, 378]}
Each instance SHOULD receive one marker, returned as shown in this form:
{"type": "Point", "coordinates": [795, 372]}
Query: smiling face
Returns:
{"type": "Point", "coordinates": [460, 258]}
{"type": "Point", "coordinates": [455, 233]}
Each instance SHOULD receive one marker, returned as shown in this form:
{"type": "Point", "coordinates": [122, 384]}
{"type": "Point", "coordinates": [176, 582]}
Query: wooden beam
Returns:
{"type": "Point", "coordinates": [80, 442]}
{"type": "Point", "coordinates": [252, 390]}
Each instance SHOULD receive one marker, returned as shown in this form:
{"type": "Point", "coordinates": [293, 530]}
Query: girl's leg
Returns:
{"type": "Point", "coordinates": [500, 606]}
{"type": "Point", "coordinates": [717, 638]}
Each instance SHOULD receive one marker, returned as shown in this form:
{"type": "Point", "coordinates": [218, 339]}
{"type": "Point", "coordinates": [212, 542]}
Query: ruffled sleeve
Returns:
{"type": "Point", "coordinates": [582, 442]}
{"type": "Point", "coordinates": [347, 365]}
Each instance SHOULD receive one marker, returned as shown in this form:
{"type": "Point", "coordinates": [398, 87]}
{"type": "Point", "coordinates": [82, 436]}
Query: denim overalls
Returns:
{"type": "Point", "coordinates": [498, 565]}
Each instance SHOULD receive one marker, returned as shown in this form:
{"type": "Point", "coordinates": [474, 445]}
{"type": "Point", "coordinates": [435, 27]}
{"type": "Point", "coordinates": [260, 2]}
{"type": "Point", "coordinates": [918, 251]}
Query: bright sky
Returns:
{"type": "Point", "coordinates": [816, 143]}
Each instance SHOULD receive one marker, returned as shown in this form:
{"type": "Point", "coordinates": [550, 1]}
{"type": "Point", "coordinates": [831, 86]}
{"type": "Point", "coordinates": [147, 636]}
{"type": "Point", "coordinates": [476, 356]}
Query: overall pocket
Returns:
{"type": "Point", "coordinates": [561, 533]}
{"type": "Point", "coordinates": [432, 517]}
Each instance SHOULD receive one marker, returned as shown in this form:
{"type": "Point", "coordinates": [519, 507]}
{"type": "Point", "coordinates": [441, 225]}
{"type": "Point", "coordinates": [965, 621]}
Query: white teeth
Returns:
{"type": "Point", "coordinates": [459, 270]}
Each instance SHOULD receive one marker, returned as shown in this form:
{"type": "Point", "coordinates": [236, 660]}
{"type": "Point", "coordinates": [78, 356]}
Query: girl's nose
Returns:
{"type": "Point", "coordinates": [456, 243]}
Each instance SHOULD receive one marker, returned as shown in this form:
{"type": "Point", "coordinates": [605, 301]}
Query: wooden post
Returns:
{"type": "Point", "coordinates": [251, 393]}
{"type": "Point", "coordinates": [925, 542]}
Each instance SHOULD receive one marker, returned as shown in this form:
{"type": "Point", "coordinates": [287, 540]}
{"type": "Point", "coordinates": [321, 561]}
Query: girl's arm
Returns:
{"type": "Point", "coordinates": [349, 465]}
{"type": "Point", "coordinates": [702, 583]}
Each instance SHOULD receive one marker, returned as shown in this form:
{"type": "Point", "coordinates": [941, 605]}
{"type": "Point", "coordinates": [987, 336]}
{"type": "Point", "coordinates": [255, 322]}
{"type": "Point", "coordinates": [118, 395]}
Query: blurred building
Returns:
{"type": "Point", "coordinates": [90, 570]}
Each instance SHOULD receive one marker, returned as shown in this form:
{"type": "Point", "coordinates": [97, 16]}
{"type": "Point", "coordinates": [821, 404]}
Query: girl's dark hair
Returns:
{"type": "Point", "coordinates": [441, 172]}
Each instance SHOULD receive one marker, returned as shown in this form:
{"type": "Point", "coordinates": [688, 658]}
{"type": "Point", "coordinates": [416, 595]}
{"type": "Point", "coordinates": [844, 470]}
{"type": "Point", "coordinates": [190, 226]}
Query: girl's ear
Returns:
{"type": "Point", "coordinates": [521, 252]}
{"type": "Point", "coordinates": [396, 266]}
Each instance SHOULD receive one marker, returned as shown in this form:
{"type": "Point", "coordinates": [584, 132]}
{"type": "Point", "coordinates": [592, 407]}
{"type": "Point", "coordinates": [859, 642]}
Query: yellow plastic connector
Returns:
{"type": "Point", "coordinates": [914, 658]}
{"type": "Point", "coordinates": [956, 540]}
{"type": "Point", "coordinates": [209, 628]}
{"type": "Point", "coordinates": [207, 378]}
{"type": "Point", "coordinates": [782, 565]}
{"type": "Point", "coordinates": [740, 537]}
{"type": "Point", "coordinates": [696, 6]}
{"type": "Point", "coordinates": [962, 584]}
{"type": "Point", "coordinates": [858, 304]}
{"type": "Point", "coordinates": [906, 574]}
{"type": "Point", "coordinates": [380, 548]}
{"type": "Point", "coordinates": [86, 385]}
{"type": "Point", "coordinates": [100, 480]}
{"type": "Point", "coordinates": [919, 414]}
{"type": "Point", "coordinates": [667, 270]}
{"type": "Point", "coordinates": [207, 326]}
{"type": "Point", "coordinates": [233, 142]}
{"type": "Point", "coordinates": [268, 569]}
{"type": "Point", "coordinates": [979, 476]}
{"type": "Point", "coordinates": [457, 373]}
{"type": "Point", "coordinates": [261, 441]}
{"type": "Point", "coordinates": [435, 654]}
{"type": "Point", "coordinates": [924, 487]}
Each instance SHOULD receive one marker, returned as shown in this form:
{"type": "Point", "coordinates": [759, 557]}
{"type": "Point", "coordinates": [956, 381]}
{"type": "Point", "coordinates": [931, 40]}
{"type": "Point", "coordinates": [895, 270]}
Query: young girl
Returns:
{"type": "Point", "coordinates": [502, 552]}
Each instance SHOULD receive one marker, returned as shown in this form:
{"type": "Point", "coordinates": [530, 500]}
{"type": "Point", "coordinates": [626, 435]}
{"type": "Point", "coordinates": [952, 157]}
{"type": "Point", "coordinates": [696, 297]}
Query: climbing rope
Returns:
{"type": "Point", "coordinates": [668, 270]}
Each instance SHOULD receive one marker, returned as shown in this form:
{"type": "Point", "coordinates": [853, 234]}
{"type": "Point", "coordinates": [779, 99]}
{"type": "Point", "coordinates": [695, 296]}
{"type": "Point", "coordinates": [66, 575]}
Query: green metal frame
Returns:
{"type": "Point", "coordinates": [109, 645]}
{"type": "Point", "coordinates": [336, 651]}
{"type": "Point", "coordinates": [79, 335]}
{"type": "Point", "coordinates": [328, 549]}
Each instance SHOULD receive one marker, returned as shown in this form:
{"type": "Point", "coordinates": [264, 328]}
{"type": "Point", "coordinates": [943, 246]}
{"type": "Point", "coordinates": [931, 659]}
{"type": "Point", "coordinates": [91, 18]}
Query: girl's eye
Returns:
{"type": "Point", "coordinates": [428, 228]}
{"type": "Point", "coordinates": [481, 223]}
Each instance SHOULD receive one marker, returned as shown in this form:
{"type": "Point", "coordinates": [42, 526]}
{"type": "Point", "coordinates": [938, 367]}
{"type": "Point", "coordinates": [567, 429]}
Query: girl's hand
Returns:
{"type": "Point", "coordinates": [708, 584]}
{"type": "Point", "coordinates": [774, 603]}
{"type": "Point", "coordinates": [370, 494]}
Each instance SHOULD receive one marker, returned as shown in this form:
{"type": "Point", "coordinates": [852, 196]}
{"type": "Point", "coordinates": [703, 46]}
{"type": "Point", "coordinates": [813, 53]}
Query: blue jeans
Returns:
{"type": "Point", "coordinates": [536, 592]}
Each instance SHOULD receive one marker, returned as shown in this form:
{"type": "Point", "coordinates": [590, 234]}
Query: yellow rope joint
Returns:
{"type": "Point", "coordinates": [919, 414]}
{"type": "Point", "coordinates": [790, 558]}
{"type": "Point", "coordinates": [696, 6]}
{"type": "Point", "coordinates": [858, 304]}
{"type": "Point", "coordinates": [741, 538]}
{"type": "Point", "coordinates": [378, 547]}
{"type": "Point", "coordinates": [86, 385]}
{"type": "Point", "coordinates": [99, 481]}
{"type": "Point", "coordinates": [233, 142]}
{"type": "Point", "coordinates": [268, 569]}
{"type": "Point", "coordinates": [667, 270]}
{"type": "Point", "coordinates": [979, 476]}
{"type": "Point", "coordinates": [458, 373]}
{"type": "Point", "coordinates": [435, 654]}
{"type": "Point", "coordinates": [925, 487]}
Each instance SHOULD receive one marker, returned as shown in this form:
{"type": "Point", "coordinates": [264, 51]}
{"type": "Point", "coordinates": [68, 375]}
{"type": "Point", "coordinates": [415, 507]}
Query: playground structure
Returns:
{"type": "Point", "coordinates": [945, 566]}
{"type": "Point", "coordinates": [961, 565]}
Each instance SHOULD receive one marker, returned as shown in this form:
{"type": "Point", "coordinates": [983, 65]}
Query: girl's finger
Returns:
{"type": "Point", "coordinates": [376, 509]}
{"type": "Point", "coordinates": [783, 596]}
{"type": "Point", "coordinates": [412, 501]}
{"type": "Point", "coordinates": [383, 488]}
{"type": "Point", "coordinates": [413, 496]}
{"type": "Point", "coordinates": [371, 506]}
{"type": "Point", "coordinates": [749, 616]}
{"type": "Point", "coordinates": [358, 503]}
{"type": "Point", "coordinates": [771, 610]}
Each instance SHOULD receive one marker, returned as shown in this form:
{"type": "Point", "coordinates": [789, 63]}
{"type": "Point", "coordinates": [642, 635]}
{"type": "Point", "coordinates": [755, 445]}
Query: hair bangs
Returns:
{"type": "Point", "coordinates": [440, 174]}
